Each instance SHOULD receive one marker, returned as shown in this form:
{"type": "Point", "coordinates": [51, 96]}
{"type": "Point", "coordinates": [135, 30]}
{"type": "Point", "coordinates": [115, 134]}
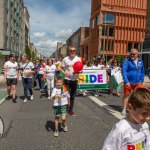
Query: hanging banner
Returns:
{"type": "Point", "coordinates": [91, 79]}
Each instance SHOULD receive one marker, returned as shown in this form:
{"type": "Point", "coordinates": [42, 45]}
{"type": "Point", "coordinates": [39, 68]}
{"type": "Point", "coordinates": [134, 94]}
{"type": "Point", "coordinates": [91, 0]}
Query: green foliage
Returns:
{"type": "Point", "coordinates": [120, 59]}
{"type": "Point", "coordinates": [28, 52]}
{"type": "Point", "coordinates": [1, 55]}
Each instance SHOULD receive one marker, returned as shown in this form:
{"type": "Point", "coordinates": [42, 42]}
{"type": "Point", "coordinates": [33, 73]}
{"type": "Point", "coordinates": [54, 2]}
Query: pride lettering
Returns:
{"type": "Point", "coordinates": [139, 146]}
{"type": "Point", "coordinates": [90, 78]}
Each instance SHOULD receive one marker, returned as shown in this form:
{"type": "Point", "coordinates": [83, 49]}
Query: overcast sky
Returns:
{"type": "Point", "coordinates": [53, 21]}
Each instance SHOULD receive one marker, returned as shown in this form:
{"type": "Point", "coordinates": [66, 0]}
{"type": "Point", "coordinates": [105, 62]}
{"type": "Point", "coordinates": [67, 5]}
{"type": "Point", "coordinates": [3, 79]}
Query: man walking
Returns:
{"type": "Point", "coordinates": [133, 75]}
{"type": "Point", "coordinates": [70, 78]}
{"type": "Point", "coordinates": [27, 74]}
{"type": "Point", "coordinates": [10, 76]}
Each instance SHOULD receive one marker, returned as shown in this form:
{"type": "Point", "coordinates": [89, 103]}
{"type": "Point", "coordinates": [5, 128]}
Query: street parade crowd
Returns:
{"type": "Point", "coordinates": [58, 79]}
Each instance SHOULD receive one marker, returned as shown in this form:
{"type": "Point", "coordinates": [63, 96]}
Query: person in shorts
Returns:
{"type": "Point", "coordinates": [133, 76]}
{"type": "Point", "coordinates": [61, 96]}
{"type": "Point", "coordinates": [132, 133]}
{"type": "Point", "coordinates": [11, 76]}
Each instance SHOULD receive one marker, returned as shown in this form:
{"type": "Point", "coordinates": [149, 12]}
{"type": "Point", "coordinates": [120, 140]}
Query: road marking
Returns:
{"type": "Point", "coordinates": [2, 100]}
{"type": "Point", "coordinates": [108, 108]}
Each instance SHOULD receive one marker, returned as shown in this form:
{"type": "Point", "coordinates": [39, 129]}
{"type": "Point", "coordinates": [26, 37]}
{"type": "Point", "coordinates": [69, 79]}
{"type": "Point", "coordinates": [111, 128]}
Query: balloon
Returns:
{"type": "Point", "coordinates": [78, 66]}
{"type": "Point", "coordinates": [83, 60]}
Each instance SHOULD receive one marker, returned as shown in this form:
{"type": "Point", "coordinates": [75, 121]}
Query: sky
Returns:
{"type": "Point", "coordinates": [53, 21]}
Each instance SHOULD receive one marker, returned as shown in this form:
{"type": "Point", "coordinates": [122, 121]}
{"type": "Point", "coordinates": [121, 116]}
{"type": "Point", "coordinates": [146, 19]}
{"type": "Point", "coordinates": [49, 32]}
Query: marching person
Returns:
{"type": "Point", "coordinates": [27, 69]}
{"type": "Point", "coordinates": [11, 76]}
{"type": "Point", "coordinates": [113, 83]}
{"type": "Point", "coordinates": [132, 132]}
{"type": "Point", "coordinates": [50, 73]}
{"type": "Point", "coordinates": [70, 78]}
{"type": "Point", "coordinates": [61, 96]}
{"type": "Point", "coordinates": [133, 75]}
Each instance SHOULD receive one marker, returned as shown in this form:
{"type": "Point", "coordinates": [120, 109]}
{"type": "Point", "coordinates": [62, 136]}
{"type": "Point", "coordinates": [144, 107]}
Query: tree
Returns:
{"type": "Point", "coordinates": [120, 59]}
{"type": "Point", "coordinates": [28, 52]}
{"type": "Point", "coordinates": [1, 55]}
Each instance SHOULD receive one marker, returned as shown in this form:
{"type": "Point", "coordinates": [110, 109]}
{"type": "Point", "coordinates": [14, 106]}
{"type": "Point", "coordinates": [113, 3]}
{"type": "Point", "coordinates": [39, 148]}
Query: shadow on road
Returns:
{"type": "Point", "coordinates": [50, 126]}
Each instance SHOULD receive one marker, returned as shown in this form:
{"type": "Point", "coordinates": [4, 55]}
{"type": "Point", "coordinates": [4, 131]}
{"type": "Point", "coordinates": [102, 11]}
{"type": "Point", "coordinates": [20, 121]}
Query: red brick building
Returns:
{"type": "Point", "coordinates": [116, 26]}
{"type": "Point", "coordinates": [77, 38]}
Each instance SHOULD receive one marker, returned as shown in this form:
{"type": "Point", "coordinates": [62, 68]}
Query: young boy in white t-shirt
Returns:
{"type": "Point", "coordinates": [61, 98]}
{"type": "Point", "coordinates": [132, 133]}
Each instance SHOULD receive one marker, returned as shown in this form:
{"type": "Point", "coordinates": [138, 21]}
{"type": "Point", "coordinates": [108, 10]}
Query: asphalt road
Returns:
{"type": "Point", "coordinates": [30, 126]}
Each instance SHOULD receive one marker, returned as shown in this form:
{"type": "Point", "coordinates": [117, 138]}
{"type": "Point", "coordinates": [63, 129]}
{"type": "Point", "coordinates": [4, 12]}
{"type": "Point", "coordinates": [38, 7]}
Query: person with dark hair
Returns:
{"type": "Point", "coordinates": [115, 78]}
{"type": "Point", "coordinates": [50, 73]}
{"type": "Point", "coordinates": [41, 68]}
{"type": "Point", "coordinates": [70, 77]}
{"type": "Point", "coordinates": [132, 132]}
{"type": "Point", "coordinates": [27, 69]}
{"type": "Point", "coordinates": [11, 75]}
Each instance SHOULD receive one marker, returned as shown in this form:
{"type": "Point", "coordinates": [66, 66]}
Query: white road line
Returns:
{"type": "Point", "coordinates": [108, 108]}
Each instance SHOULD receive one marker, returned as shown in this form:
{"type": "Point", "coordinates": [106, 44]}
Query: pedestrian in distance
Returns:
{"type": "Point", "coordinates": [61, 97]}
{"type": "Point", "coordinates": [115, 78]}
{"type": "Point", "coordinates": [27, 70]}
{"type": "Point", "coordinates": [132, 133]}
{"type": "Point", "coordinates": [133, 75]}
{"type": "Point", "coordinates": [70, 77]}
{"type": "Point", "coordinates": [50, 74]}
{"type": "Point", "coordinates": [11, 75]}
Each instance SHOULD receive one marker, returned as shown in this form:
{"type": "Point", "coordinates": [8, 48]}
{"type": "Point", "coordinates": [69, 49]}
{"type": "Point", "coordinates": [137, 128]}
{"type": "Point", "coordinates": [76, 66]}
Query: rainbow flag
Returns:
{"type": "Point", "coordinates": [64, 88]}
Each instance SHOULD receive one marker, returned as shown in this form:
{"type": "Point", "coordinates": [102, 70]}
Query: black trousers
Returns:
{"type": "Point", "coordinates": [72, 88]}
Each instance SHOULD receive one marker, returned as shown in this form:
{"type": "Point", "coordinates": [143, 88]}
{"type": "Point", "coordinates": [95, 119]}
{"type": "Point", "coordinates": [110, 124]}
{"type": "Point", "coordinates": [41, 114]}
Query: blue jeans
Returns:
{"type": "Point", "coordinates": [41, 81]}
{"type": "Point", "coordinates": [27, 84]}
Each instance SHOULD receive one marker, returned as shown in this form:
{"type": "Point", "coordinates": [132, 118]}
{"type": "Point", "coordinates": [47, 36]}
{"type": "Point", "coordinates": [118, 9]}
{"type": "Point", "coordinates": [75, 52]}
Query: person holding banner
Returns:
{"type": "Point", "coordinates": [115, 78]}
{"type": "Point", "coordinates": [70, 77]}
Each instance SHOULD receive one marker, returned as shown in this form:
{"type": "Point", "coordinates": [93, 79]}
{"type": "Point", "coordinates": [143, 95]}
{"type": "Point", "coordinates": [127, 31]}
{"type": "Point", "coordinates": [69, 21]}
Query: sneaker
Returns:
{"type": "Point", "coordinates": [25, 100]}
{"type": "Point", "coordinates": [72, 114]}
{"type": "Point", "coordinates": [124, 112]}
{"type": "Point", "coordinates": [56, 133]}
{"type": "Point", "coordinates": [31, 98]}
{"type": "Point", "coordinates": [84, 94]}
{"type": "Point", "coordinates": [96, 95]}
{"type": "Point", "coordinates": [65, 128]}
{"type": "Point", "coordinates": [49, 97]}
{"type": "Point", "coordinates": [14, 101]}
{"type": "Point", "coordinates": [8, 98]}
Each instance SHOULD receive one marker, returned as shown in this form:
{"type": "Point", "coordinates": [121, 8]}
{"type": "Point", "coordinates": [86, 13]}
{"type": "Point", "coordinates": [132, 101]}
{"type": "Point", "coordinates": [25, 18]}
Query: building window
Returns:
{"type": "Point", "coordinates": [108, 18]}
{"type": "Point", "coordinates": [111, 31]}
{"type": "Point", "coordinates": [136, 45]}
{"type": "Point", "coordinates": [104, 31]}
{"type": "Point", "coordinates": [92, 23]}
{"type": "Point", "coordinates": [129, 46]}
{"type": "Point", "coordinates": [97, 20]}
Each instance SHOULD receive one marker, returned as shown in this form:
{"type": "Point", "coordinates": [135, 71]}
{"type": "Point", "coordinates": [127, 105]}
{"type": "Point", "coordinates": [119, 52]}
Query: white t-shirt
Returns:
{"type": "Point", "coordinates": [100, 66]}
{"type": "Point", "coordinates": [94, 67]}
{"type": "Point", "coordinates": [86, 67]}
{"type": "Point", "coordinates": [42, 69]}
{"type": "Point", "coordinates": [68, 63]}
{"type": "Point", "coordinates": [64, 97]}
{"type": "Point", "coordinates": [50, 71]}
{"type": "Point", "coordinates": [11, 69]}
{"type": "Point", "coordinates": [27, 67]}
{"type": "Point", "coordinates": [128, 136]}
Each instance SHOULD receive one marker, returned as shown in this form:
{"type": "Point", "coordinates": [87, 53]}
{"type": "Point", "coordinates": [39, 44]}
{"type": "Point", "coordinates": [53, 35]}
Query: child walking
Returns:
{"type": "Point", "coordinates": [132, 133]}
{"type": "Point", "coordinates": [61, 98]}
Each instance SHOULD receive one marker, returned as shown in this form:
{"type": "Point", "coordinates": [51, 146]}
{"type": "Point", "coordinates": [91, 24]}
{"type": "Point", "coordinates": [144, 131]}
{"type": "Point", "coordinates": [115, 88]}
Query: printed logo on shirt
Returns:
{"type": "Point", "coordinates": [138, 146]}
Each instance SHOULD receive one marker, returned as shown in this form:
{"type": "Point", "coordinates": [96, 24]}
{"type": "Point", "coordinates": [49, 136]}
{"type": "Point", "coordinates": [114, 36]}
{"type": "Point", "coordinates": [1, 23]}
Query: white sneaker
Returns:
{"type": "Point", "coordinates": [56, 133]}
{"type": "Point", "coordinates": [49, 97]}
{"type": "Point", "coordinates": [65, 128]}
{"type": "Point", "coordinates": [25, 100]}
{"type": "Point", "coordinates": [84, 94]}
{"type": "Point", "coordinates": [124, 112]}
{"type": "Point", "coordinates": [95, 95]}
{"type": "Point", "coordinates": [31, 98]}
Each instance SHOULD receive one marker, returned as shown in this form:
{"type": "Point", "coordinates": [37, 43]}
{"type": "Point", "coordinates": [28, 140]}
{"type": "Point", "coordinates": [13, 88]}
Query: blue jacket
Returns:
{"type": "Point", "coordinates": [131, 73]}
